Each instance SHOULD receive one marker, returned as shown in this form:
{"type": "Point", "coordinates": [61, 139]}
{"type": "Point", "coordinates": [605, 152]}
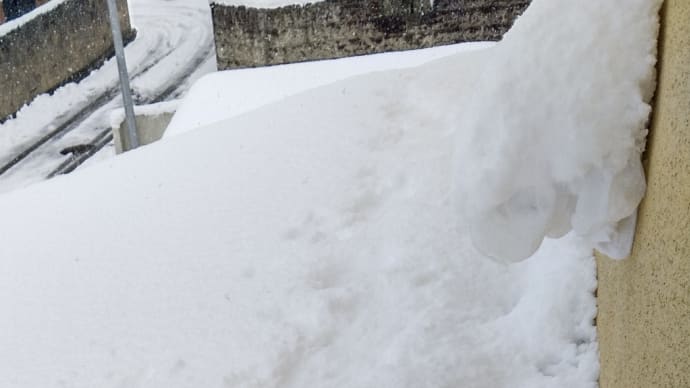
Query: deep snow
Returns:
{"type": "Point", "coordinates": [262, 3]}
{"type": "Point", "coordinates": [309, 243]}
{"type": "Point", "coordinates": [221, 95]}
{"type": "Point", "coordinates": [551, 137]}
{"type": "Point", "coordinates": [316, 241]}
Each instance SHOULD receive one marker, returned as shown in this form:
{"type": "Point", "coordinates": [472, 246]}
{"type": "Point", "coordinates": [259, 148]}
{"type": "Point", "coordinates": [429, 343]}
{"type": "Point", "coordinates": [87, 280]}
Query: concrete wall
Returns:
{"type": "Point", "coordinates": [248, 37]}
{"type": "Point", "coordinates": [644, 301]}
{"type": "Point", "coordinates": [151, 121]}
{"type": "Point", "coordinates": [53, 48]}
{"type": "Point", "coordinates": [2, 10]}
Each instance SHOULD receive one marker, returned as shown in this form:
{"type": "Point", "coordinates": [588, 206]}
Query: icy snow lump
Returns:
{"type": "Point", "coordinates": [551, 136]}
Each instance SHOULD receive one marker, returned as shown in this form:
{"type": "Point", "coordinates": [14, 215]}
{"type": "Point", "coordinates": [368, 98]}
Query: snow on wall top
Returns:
{"type": "Point", "coordinates": [262, 3]}
{"type": "Point", "coordinates": [12, 25]}
{"type": "Point", "coordinates": [552, 136]}
{"type": "Point", "coordinates": [221, 95]}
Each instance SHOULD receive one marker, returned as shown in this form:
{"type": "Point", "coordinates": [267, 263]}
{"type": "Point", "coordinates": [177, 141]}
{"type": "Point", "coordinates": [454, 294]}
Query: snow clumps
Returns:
{"type": "Point", "coordinates": [551, 136]}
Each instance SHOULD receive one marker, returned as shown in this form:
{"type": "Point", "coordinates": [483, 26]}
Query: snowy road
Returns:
{"type": "Point", "coordinates": [174, 46]}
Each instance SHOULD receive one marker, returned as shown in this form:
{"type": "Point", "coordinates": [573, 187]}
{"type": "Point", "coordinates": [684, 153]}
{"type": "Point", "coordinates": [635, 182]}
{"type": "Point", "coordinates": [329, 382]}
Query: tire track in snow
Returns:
{"type": "Point", "coordinates": [104, 138]}
{"type": "Point", "coordinates": [174, 39]}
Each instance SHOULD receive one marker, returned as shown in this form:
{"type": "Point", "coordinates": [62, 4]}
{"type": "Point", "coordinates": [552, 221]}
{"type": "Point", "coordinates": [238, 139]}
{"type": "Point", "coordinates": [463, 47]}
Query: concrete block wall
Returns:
{"type": "Point", "coordinates": [2, 10]}
{"type": "Point", "coordinates": [249, 37]}
{"type": "Point", "coordinates": [644, 300]}
{"type": "Point", "coordinates": [151, 123]}
{"type": "Point", "coordinates": [53, 48]}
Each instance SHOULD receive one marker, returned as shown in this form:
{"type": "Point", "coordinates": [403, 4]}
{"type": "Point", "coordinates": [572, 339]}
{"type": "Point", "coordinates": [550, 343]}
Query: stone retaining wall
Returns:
{"type": "Point", "coordinates": [55, 47]}
{"type": "Point", "coordinates": [249, 37]}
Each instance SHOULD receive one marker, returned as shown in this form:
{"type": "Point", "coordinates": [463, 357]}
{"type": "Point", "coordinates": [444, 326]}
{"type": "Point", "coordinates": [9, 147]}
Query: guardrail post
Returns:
{"type": "Point", "coordinates": [133, 139]}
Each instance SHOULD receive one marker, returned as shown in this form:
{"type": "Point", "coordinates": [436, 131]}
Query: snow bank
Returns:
{"type": "Point", "coordinates": [219, 96]}
{"type": "Point", "coordinates": [309, 243]}
{"type": "Point", "coordinates": [262, 3]}
{"type": "Point", "coordinates": [550, 139]}
{"type": "Point", "coordinates": [314, 242]}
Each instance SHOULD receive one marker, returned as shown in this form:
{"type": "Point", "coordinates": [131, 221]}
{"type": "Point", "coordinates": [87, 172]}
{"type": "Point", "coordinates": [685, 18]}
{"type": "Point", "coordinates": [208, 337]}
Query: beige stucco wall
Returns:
{"type": "Point", "coordinates": [644, 301]}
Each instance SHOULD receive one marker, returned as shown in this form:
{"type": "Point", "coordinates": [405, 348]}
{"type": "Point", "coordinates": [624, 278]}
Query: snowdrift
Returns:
{"type": "Point", "coordinates": [550, 138]}
{"type": "Point", "coordinates": [316, 241]}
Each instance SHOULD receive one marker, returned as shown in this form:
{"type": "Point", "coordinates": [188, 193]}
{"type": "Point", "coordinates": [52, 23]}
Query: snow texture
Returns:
{"type": "Point", "coordinates": [265, 3]}
{"type": "Point", "coordinates": [551, 137]}
{"type": "Point", "coordinates": [262, 3]}
{"type": "Point", "coordinates": [309, 243]}
{"type": "Point", "coordinates": [221, 95]}
{"type": "Point", "coordinates": [315, 241]}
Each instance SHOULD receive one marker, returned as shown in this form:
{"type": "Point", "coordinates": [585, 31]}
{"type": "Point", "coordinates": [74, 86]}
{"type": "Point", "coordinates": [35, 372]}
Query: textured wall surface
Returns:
{"type": "Point", "coordinates": [2, 10]}
{"type": "Point", "coordinates": [54, 48]}
{"type": "Point", "coordinates": [248, 37]}
{"type": "Point", "coordinates": [644, 301]}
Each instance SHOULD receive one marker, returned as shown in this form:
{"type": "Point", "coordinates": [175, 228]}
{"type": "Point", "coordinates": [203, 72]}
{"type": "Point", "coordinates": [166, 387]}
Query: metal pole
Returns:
{"type": "Point", "coordinates": [133, 139]}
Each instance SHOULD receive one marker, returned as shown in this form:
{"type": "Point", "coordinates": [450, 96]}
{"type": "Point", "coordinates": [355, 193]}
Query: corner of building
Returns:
{"type": "Point", "coordinates": [644, 301]}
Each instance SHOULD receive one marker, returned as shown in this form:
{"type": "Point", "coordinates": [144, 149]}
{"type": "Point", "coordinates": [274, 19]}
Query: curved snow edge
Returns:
{"type": "Point", "coordinates": [552, 137]}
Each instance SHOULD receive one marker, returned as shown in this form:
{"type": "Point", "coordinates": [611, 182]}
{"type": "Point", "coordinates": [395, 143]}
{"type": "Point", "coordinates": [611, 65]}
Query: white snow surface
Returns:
{"type": "Point", "coordinates": [262, 3]}
{"type": "Point", "coordinates": [317, 241]}
{"type": "Point", "coordinates": [550, 138]}
{"type": "Point", "coordinates": [221, 95]}
{"type": "Point", "coordinates": [309, 243]}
